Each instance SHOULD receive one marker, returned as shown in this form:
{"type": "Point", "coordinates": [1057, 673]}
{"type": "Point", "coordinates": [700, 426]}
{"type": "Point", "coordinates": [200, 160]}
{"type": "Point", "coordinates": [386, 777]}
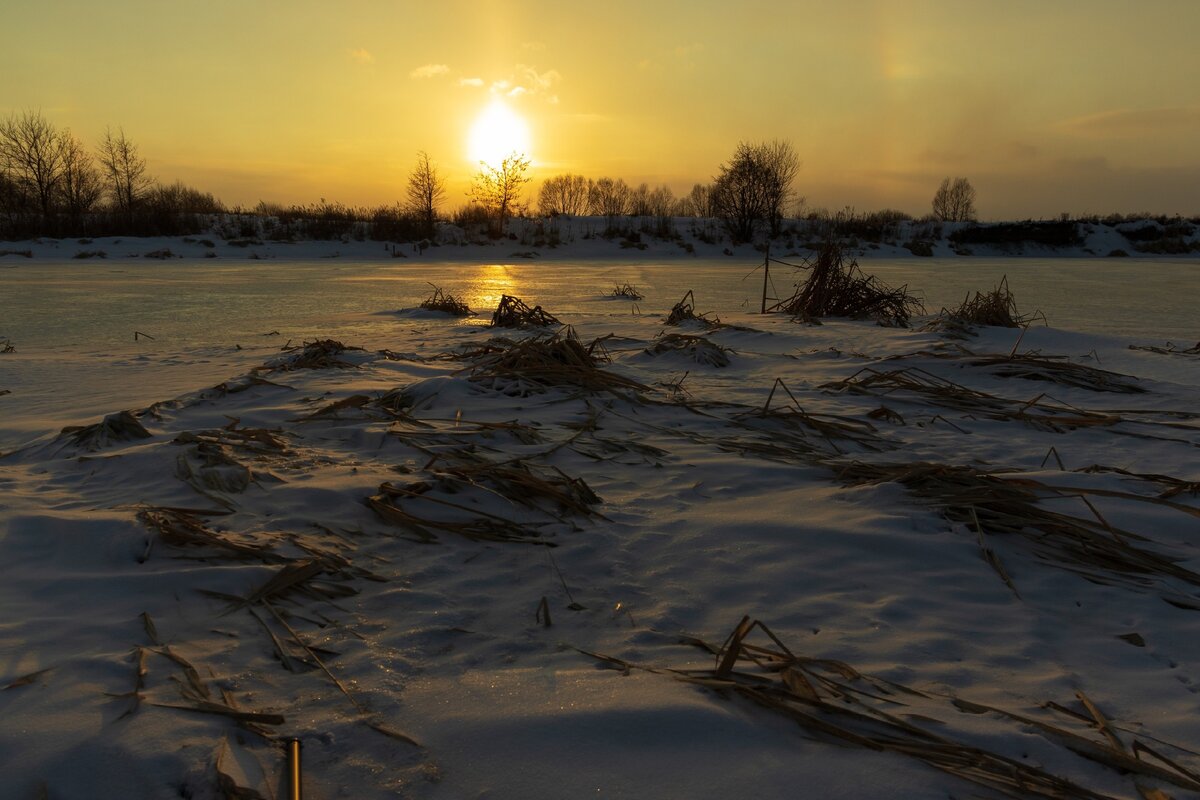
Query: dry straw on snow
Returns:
{"type": "Point", "coordinates": [558, 359]}
{"type": "Point", "coordinates": [513, 312]}
{"type": "Point", "coordinates": [836, 703]}
{"type": "Point", "coordinates": [446, 303]}
{"type": "Point", "coordinates": [836, 287]}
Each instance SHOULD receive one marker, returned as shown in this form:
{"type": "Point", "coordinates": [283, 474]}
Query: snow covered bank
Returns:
{"type": "Point", "coordinates": [444, 559]}
{"type": "Point", "coordinates": [678, 238]}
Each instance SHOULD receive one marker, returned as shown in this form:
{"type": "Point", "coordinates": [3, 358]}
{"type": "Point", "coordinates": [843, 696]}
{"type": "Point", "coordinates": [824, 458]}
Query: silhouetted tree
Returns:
{"type": "Point", "coordinates": [426, 190]}
{"type": "Point", "coordinates": [31, 156]}
{"type": "Point", "coordinates": [754, 187]}
{"type": "Point", "coordinates": [563, 194]}
{"type": "Point", "coordinates": [81, 187]}
{"type": "Point", "coordinates": [498, 189]}
{"type": "Point", "coordinates": [609, 198]}
{"type": "Point", "coordinates": [699, 202]}
{"type": "Point", "coordinates": [954, 201]}
{"type": "Point", "coordinates": [124, 170]}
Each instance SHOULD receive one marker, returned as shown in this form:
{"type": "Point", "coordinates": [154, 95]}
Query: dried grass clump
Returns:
{"type": "Point", "coordinates": [321, 354]}
{"type": "Point", "coordinates": [558, 359]}
{"type": "Point", "coordinates": [184, 528]}
{"type": "Point", "coordinates": [698, 348]}
{"type": "Point", "coordinates": [1034, 367]}
{"type": "Point", "coordinates": [1002, 503]}
{"type": "Point", "coordinates": [837, 288]}
{"type": "Point", "coordinates": [120, 427]}
{"type": "Point", "coordinates": [627, 291]}
{"type": "Point", "coordinates": [512, 312]}
{"type": "Point", "coordinates": [1171, 349]}
{"type": "Point", "coordinates": [446, 303]}
{"type": "Point", "coordinates": [547, 495]}
{"type": "Point", "coordinates": [685, 311]}
{"type": "Point", "coordinates": [836, 703]}
{"type": "Point", "coordinates": [7, 346]}
{"type": "Point", "coordinates": [932, 389]}
{"type": "Point", "coordinates": [997, 308]}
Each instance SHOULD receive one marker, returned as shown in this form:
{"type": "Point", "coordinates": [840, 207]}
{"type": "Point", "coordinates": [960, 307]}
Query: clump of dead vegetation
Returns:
{"type": "Point", "coordinates": [626, 291]}
{"type": "Point", "coordinates": [698, 348]}
{"type": "Point", "coordinates": [1040, 412]}
{"type": "Point", "coordinates": [6, 346]}
{"type": "Point", "coordinates": [1036, 367]}
{"type": "Point", "coordinates": [1171, 349]}
{"type": "Point", "coordinates": [834, 702]}
{"type": "Point", "coordinates": [513, 312]}
{"type": "Point", "coordinates": [1001, 503]}
{"type": "Point", "coordinates": [836, 287]}
{"type": "Point", "coordinates": [557, 359]}
{"type": "Point", "coordinates": [122, 426]}
{"type": "Point", "coordinates": [685, 311]}
{"type": "Point", "coordinates": [446, 303]}
{"type": "Point", "coordinates": [995, 308]}
{"type": "Point", "coordinates": [453, 496]}
{"type": "Point", "coordinates": [319, 354]}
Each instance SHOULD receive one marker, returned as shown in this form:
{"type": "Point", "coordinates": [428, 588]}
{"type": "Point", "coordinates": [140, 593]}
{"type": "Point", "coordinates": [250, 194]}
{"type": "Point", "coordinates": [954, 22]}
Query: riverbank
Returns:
{"type": "Point", "coordinates": [674, 239]}
{"type": "Point", "coordinates": [455, 565]}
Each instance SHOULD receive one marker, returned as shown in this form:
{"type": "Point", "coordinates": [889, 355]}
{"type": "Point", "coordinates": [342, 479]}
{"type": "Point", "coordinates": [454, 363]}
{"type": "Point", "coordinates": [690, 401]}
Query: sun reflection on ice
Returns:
{"type": "Point", "coordinates": [488, 285]}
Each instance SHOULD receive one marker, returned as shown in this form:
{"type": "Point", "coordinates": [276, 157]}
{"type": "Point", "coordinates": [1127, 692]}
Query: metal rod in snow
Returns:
{"type": "Point", "coordinates": [766, 273]}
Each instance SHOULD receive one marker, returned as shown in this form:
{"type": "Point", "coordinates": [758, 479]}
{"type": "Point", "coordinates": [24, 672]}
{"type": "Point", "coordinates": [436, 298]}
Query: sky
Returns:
{"type": "Point", "coordinates": [1077, 106]}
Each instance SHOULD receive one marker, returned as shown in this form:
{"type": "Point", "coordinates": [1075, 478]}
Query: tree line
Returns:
{"type": "Point", "coordinates": [53, 184]}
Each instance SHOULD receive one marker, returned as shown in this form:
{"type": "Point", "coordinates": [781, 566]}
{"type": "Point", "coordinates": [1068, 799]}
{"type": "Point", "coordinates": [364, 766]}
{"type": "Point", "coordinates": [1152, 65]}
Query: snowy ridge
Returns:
{"type": "Point", "coordinates": [462, 561]}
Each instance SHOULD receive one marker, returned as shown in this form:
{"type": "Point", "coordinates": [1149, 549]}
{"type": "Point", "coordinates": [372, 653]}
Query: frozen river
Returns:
{"type": "Point", "coordinates": [73, 323]}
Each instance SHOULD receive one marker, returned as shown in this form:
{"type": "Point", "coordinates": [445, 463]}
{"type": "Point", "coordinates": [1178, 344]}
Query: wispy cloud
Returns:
{"type": "Point", "coordinates": [1132, 123]}
{"type": "Point", "coordinates": [523, 81]}
{"type": "Point", "coordinates": [429, 71]}
{"type": "Point", "coordinates": [362, 56]}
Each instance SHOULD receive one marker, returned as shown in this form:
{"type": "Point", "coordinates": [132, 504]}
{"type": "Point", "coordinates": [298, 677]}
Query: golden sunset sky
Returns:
{"type": "Point", "coordinates": [1046, 106]}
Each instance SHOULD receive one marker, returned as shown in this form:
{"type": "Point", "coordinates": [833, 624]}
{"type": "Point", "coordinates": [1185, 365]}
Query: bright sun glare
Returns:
{"type": "Point", "coordinates": [497, 133]}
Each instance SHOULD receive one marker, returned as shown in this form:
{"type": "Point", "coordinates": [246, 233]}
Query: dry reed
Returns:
{"type": "Point", "coordinates": [837, 288]}
{"type": "Point", "coordinates": [698, 348]}
{"type": "Point", "coordinates": [685, 311]}
{"type": "Point", "coordinates": [836, 703]}
{"type": "Point", "coordinates": [445, 303]}
{"type": "Point", "coordinates": [1002, 503]}
{"type": "Point", "coordinates": [557, 359]}
{"type": "Point", "coordinates": [512, 312]}
{"type": "Point", "coordinates": [626, 291]}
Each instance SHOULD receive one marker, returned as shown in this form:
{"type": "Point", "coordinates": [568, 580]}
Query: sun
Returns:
{"type": "Point", "coordinates": [498, 132]}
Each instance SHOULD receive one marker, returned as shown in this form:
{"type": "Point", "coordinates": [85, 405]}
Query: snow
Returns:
{"type": "Point", "coordinates": [708, 510]}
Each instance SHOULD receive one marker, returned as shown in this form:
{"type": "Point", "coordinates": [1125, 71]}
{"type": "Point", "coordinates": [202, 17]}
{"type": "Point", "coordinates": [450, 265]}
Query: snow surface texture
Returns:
{"type": "Point", "coordinates": [442, 560]}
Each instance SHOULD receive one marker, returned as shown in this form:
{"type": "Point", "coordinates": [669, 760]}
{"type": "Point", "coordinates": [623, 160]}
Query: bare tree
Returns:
{"type": "Point", "coordinates": [498, 189]}
{"type": "Point", "coordinates": [782, 165]}
{"type": "Point", "coordinates": [954, 201]}
{"type": "Point", "coordinates": [699, 201]}
{"type": "Point", "coordinates": [31, 156]}
{"type": "Point", "coordinates": [754, 187]}
{"type": "Point", "coordinates": [426, 190]}
{"type": "Point", "coordinates": [609, 198]}
{"type": "Point", "coordinates": [125, 170]}
{"type": "Point", "coordinates": [80, 187]}
{"type": "Point", "coordinates": [563, 194]}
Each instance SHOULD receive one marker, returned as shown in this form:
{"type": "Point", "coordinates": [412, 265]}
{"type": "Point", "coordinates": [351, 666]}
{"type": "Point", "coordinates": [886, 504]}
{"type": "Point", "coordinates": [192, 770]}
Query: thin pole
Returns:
{"type": "Point", "coordinates": [766, 272]}
{"type": "Point", "coordinates": [293, 765]}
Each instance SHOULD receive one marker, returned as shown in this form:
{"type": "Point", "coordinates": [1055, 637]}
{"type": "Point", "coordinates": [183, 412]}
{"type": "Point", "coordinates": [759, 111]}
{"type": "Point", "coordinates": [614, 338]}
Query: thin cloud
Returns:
{"type": "Point", "coordinates": [429, 71]}
{"type": "Point", "coordinates": [526, 81]}
{"type": "Point", "coordinates": [1132, 123]}
{"type": "Point", "coordinates": [362, 56]}
{"type": "Point", "coordinates": [470, 81]}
